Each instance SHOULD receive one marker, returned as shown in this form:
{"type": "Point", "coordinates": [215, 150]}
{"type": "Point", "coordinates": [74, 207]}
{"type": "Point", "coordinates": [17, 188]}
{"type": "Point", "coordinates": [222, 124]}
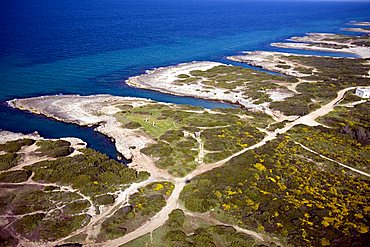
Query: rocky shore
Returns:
{"type": "Point", "coordinates": [96, 110]}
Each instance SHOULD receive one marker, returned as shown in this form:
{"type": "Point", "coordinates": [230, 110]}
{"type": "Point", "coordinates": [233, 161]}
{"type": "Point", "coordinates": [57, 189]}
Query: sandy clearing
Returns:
{"type": "Point", "coordinates": [6, 136]}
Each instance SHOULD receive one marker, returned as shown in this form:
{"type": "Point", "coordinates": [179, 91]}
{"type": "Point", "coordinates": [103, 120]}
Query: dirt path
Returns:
{"type": "Point", "coordinates": [155, 222]}
{"type": "Point", "coordinates": [97, 219]}
{"type": "Point", "coordinates": [201, 149]}
{"type": "Point", "coordinates": [173, 202]}
{"type": "Point", "coordinates": [309, 119]}
{"type": "Point", "coordinates": [207, 218]}
{"type": "Point", "coordinates": [327, 158]}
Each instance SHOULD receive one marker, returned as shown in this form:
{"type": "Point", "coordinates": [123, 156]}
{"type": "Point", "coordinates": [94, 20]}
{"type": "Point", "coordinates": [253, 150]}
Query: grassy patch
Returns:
{"type": "Point", "coordinates": [177, 152]}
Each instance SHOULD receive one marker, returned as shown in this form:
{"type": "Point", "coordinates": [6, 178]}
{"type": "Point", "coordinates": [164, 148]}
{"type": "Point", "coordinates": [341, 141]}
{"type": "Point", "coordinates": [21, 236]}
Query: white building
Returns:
{"type": "Point", "coordinates": [363, 92]}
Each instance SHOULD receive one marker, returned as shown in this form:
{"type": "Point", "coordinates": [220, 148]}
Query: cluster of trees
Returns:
{"type": "Point", "coordinates": [91, 172]}
{"type": "Point", "coordinates": [15, 146]}
{"type": "Point", "coordinates": [11, 158]}
{"type": "Point", "coordinates": [54, 149]}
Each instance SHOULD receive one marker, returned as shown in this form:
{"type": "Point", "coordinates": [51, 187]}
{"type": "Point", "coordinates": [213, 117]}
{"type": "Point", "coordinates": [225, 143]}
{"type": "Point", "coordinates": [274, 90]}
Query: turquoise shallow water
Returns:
{"type": "Point", "coordinates": [92, 46]}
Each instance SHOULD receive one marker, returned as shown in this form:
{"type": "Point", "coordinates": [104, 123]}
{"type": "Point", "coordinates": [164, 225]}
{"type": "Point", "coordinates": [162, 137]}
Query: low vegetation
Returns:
{"type": "Point", "coordinates": [8, 161]}
{"type": "Point", "coordinates": [284, 190]}
{"type": "Point", "coordinates": [335, 144]}
{"type": "Point", "coordinates": [182, 230]}
{"type": "Point", "coordinates": [42, 218]}
{"type": "Point", "coordinates": [54, 149]}
{"type": "Point", "coordinates": [15, 146]}
{"type": "Point", "coordinates": [325, 77]}
{"type": "Point", "coordinates": [90, 172]}
{"type": "Point", "coordinates": [179, 130]}
{"type": "Point", "coordinates": [254, 84]}
{"type": "Point", "coordinates": [15, 176]}
{"type": "Point", "coordinates": [143, 205]}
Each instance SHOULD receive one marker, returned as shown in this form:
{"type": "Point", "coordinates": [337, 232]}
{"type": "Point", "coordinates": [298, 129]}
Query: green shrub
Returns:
{"type": "Point", "coordinates": [91, 172]}
{"type": "Point", "coordinates": [53, 229]}
{"type": "Point", "coordinates": [132, 125]}
{"type": "Point", "coordinates": [6, 239]}
{"type": "Point", "coordinates": [15, 176]}
{"type": "Point", "coordinates": [76, 207]}
{"type": "Point", "coordinates": [15, 146]}
{"type": "Point", "coordinates": [104, 199]}
{"type": "Point", "coordinates": [8, 161]}
{"type": "Point", "coordinates": [28, 223]}
{"type": "Point", "coordinates": [54, 149]}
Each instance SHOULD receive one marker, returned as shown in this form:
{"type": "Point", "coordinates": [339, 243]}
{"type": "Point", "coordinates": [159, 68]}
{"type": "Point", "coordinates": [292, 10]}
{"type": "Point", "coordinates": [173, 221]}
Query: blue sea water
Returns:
{"type": "Point", "coordinates": [91, 46]}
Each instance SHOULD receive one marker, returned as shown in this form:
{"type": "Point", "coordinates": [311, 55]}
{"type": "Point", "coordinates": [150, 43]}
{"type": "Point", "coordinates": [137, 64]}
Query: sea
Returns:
{"type": "Point", "coordinates": [92, 46]}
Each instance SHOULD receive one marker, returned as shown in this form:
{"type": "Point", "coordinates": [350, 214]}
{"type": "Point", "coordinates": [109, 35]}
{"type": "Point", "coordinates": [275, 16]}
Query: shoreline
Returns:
{"type": "Point", "coordinates": [100, 112]}
{"type": "Point", "coordinates": [164, 80]}
{"type": "Point", "coordinates": [309, 47]}
{"type": "Point", "coordinates": [356, 29]}
{"type": "Point", "coordinates": [329, 42]}
{"type": "Point", "coordinates": [263, 59]}
{"type": "Point", "coordinates": [105, 125]}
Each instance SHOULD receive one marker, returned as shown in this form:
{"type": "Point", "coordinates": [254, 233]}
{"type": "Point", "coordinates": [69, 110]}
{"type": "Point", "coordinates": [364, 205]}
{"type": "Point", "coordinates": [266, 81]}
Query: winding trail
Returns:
{"type": "Point", "coordinates": [327, 158]}
{"type": "Point", "coordinates": [207, 218]}
{"type": "Point", "coordinates": [173, 201]}
{"type": "Point", "coordinates": [156, 221]}
{"type": "Point", "coordinates": [309, 119]}
{"type": "Point", "coordinates": [96, 220]}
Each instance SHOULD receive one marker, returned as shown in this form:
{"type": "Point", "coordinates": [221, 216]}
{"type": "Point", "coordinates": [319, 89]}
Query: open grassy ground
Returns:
{"type": "Point", "coordinates": [174, 128]}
